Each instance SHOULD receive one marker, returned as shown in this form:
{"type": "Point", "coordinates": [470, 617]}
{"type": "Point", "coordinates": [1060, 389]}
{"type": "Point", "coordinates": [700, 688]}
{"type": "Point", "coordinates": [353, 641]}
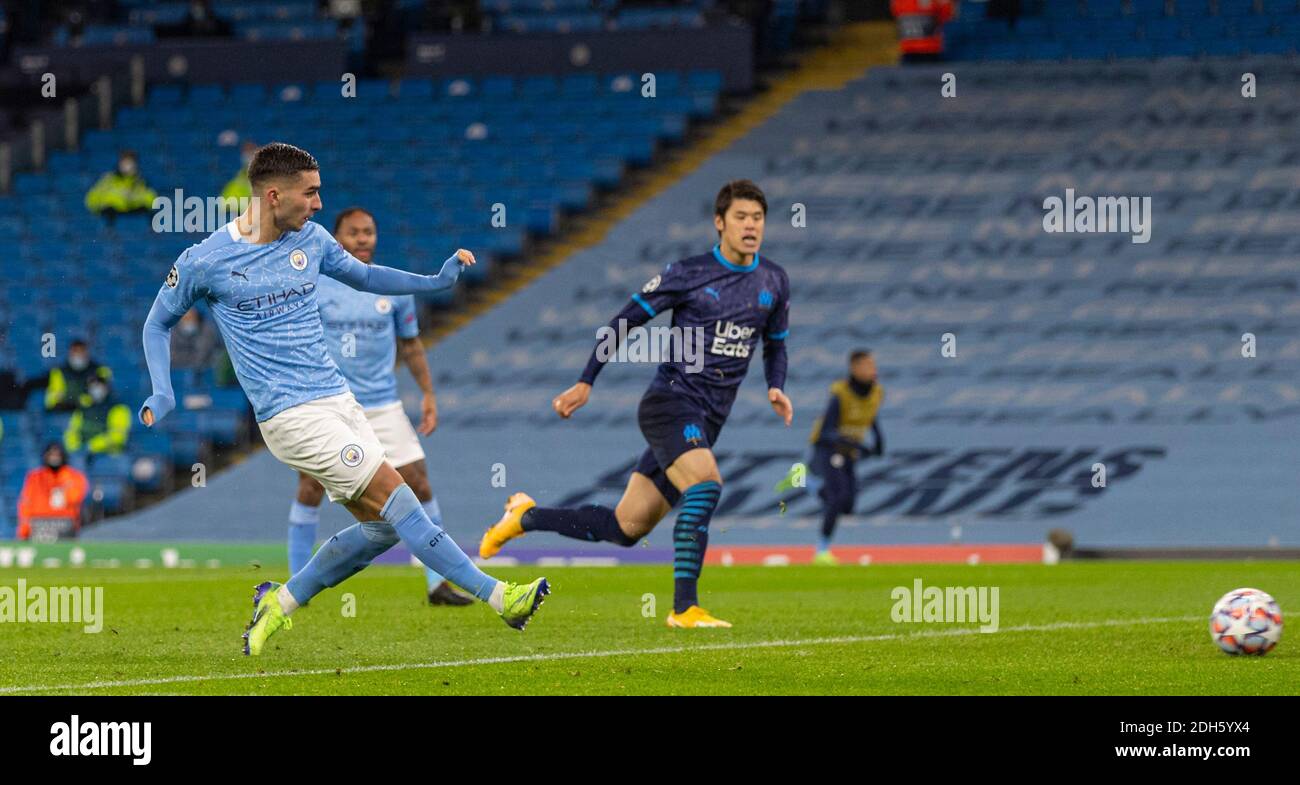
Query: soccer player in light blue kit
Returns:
{"type": "Point", "coordinates": [258, 275]}
{"type": "Point", "coordinates": [364, 332]}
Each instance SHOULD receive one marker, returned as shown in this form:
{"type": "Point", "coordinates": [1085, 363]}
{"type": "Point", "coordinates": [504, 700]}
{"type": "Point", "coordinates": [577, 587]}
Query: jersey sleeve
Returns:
{"type": "Point", "coordinates": [184, 286]}
{"type": "Point", "coordinates": [664, 291]}
{"type": "Point", "coordinates": [338, 263]}
{"type": "Point", "coordinates": [407, 323]}
{"type": "Point", "coordinates": [774, 335]}
{"type": "Point", "coordinates": [778, 321]}
{"type": "Point", "coordinates": [661, 293]}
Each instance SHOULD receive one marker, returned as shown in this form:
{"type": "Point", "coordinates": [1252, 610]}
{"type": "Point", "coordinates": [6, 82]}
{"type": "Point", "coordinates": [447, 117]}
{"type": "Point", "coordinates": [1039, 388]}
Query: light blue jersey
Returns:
{"type": "Point", "coordinates": [264, 300]}
{"type": "Point", "coordinates": [361, 331]}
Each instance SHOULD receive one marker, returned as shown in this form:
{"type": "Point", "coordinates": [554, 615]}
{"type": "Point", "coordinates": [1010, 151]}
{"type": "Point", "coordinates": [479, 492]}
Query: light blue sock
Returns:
{"type": "Point", "coordinates": [342, 556]}
{"type": "Point", "coordinates": [431, 578]}
{"type": "Point", "coordinates": [302, 535]}
{"type": "Point", "coordinates": [823, 543]}
{"type": "Point", "coordinates": [433, 546]}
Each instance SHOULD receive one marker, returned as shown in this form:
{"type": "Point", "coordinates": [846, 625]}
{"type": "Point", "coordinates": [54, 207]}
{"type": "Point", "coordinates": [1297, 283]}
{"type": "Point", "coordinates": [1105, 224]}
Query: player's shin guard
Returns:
{"type": "Point", "coordinates": [342, 556]}
{"type": "Point", "coordinates": [690, 540]}
{"type": "Point", "coordinates": [589, 522]}
{"type": "Point", "coordinates": [433, 546]}
{"type": "Point", "coordinates": [302, 535]}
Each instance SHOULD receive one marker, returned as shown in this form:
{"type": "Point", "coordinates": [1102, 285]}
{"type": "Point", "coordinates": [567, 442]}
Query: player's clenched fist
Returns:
{"type": "Point", "coordinates": [569, 401]}
{"type": "Point", "coordinates": [466, 257]}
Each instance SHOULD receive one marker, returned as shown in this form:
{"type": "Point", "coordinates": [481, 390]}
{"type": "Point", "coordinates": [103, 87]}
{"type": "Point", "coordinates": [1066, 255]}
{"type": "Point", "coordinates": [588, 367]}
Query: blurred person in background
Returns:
{"type": "Point", "coordinates": [839, 441]}
{"type": "Point", "coordinates": [68, 386]}
{"type": "Point", "coordinates": [101, 427]}
{"type": "Point", "coordinates": [238, 187]}
{"type": "Point", "coordinates": [122, 190]}
{"type": "Point", "coordinates": [52, 490]}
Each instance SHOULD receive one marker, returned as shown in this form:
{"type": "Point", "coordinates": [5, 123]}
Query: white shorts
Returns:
{"type": "Point", "coordinates": [396, 434]}
{"type": "Point", "coordinates": [330, 439]}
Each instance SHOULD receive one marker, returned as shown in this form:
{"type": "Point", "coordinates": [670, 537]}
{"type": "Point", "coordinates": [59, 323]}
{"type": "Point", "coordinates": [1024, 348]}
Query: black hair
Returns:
{"type": "Point", "coordinates": [738, 189]}
{"type": "Point", "coordinates": [278, 159]}
{"type": "Point", "coordinates": [338, 222]}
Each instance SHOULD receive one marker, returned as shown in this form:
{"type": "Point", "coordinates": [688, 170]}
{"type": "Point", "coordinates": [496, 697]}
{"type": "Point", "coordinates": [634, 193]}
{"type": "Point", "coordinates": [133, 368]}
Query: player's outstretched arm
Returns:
{"type": "Point", "coordinates": [158, 356]}
{"type": "Point", "coordinates": [378, 279]}
{"type": "Point", "coordinates": [634, 314]}
{"type": "Point", "coordinates": [661, 293]}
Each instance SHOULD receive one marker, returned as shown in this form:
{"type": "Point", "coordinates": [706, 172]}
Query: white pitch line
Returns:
{"type": "Point", "coordinates": [577, 655]}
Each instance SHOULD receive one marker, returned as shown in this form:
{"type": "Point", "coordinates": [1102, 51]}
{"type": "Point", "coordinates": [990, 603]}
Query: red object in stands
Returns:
{"type": "Point", "coordinates": [920, 25]}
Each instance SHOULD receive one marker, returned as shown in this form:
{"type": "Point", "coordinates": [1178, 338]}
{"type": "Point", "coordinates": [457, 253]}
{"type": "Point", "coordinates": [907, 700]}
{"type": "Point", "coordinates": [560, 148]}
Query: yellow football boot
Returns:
{"type": "Point", "coordinates": [507, 528]}
{"type": "Point", "coordinates": [695, 616]}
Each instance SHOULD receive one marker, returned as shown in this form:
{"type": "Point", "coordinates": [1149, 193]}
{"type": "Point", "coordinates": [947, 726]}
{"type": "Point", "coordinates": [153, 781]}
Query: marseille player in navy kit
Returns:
{"type": "Point", "coordinates": [737, 299]}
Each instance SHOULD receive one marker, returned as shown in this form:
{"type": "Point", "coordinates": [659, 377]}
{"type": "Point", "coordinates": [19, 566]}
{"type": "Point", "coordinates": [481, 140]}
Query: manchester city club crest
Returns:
{"type": "Point", "coordinates": [298, 259]}
{"type": "Point", "coordinates": [384, 305]}
{"type": "Point", "coordinates": [352, 455]}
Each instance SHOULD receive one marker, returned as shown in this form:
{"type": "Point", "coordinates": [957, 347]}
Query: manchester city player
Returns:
{"type": "Point", "coordinates": [258, 275]}
{"type": "Point", "coordinates": [737, 299]}
{"type": "Point", "coordinates": [364, 332]}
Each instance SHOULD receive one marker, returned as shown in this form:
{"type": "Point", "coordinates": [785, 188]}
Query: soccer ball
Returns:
{"type": "Point", "coordinates": [1246, 621]}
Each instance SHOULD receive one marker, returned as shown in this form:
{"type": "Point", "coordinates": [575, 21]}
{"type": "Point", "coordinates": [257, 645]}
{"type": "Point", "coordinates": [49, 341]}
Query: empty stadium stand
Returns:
{"type": "Point", "coordinates": [1125, 29]}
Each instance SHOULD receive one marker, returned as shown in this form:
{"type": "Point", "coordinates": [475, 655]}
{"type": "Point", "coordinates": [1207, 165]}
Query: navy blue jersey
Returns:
{"type": "Point", "coordinates": [732, 307]}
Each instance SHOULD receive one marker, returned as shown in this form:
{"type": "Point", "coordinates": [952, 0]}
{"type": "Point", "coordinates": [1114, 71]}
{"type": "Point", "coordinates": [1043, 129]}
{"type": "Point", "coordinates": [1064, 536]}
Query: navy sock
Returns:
{"type": "Point", "coordinates": [590, 522]}
{"type": "Point", "coordinates": [690, 540]}
{"type": "Point", "coordinates": [829, 518]}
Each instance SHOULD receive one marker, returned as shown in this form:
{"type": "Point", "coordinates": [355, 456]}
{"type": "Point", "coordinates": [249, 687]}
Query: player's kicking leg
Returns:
{"type": "Point", "coordinates": [308, 438]}
{"type": "Point", "coordinates": [641, 507]}
{"type": "Point", "coordinates": [438, 590]}
{"type": "Point", "coordinates": [387, 512]}
{"type": "Point", "coordinates": [693, 477]}
{"type": "Point", "coordinates": [304, 520]}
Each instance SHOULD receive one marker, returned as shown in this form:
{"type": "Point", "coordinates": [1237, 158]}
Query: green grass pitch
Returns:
{"type": "Point", "coordinates": [1076, 628]}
